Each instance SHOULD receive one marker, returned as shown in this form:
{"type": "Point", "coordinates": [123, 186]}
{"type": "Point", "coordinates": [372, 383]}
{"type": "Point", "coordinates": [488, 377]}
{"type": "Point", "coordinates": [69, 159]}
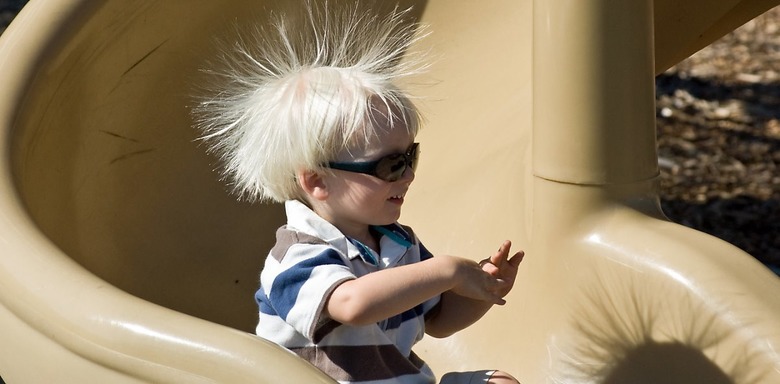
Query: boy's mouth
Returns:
{"type": "Point", "coordinates": [397, 198]}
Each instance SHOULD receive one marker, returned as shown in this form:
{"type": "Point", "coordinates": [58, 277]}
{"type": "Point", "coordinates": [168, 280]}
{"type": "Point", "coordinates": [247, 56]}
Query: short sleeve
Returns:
{"type": "Point", "coordinates": [298, 286]}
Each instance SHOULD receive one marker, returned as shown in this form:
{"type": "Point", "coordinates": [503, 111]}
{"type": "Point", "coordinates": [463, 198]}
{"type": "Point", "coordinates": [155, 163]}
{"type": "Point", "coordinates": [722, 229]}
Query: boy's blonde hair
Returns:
{"type": "Point", "coordinates": [301, 93]}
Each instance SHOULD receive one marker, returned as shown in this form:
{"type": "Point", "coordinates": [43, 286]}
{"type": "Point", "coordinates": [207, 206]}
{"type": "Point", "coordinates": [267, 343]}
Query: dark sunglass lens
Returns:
{"type": "Point", "coordinates": [391, 168]}
{"type": "Point", "coordinates": [413, 157]}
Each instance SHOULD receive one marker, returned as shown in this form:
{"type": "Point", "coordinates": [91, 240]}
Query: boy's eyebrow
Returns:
{"type": "Point", "coordinates": [390, 153]}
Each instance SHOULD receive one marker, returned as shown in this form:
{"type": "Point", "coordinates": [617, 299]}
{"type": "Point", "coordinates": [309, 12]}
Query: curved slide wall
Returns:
{"type": "Point", "coordinates": [123, 259]}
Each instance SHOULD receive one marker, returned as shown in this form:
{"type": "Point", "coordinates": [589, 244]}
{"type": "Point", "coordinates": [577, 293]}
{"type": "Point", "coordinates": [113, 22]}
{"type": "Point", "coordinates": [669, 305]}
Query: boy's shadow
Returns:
{"type": "Point", "coordinates": [632, 328]}
{"type": "Point", "coordinates": [670, 363]}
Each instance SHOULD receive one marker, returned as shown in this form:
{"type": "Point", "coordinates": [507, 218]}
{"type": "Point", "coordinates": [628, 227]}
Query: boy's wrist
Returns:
{"type": "Point", "coordinates": [450, 267]}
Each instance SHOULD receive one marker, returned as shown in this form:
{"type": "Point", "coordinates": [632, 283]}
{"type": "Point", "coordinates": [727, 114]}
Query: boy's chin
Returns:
{"type": "Point", "coordinates": [384, 223]}
{"type": "Point", "coordinates": [388, 220]}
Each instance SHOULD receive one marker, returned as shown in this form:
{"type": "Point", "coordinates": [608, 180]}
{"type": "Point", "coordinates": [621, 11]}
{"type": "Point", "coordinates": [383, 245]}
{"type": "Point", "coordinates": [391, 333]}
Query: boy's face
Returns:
{"type": "Point", "coordinates": [357, 200]}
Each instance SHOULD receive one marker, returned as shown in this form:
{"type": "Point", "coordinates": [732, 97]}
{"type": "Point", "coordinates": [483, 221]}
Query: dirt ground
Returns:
{"type": "Point", "coordinates": [718, 123]}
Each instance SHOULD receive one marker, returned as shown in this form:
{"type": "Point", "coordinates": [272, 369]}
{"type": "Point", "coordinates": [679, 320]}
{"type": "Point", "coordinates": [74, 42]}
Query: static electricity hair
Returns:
{"type": "Point", "coordinates": [302, 91]}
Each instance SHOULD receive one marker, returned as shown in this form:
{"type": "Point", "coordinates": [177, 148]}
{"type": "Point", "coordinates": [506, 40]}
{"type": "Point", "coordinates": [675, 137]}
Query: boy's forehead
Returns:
{"type": "Point", "coordinates": [382, 137]}
{"type": "Point", "coordinates": [385, 130]}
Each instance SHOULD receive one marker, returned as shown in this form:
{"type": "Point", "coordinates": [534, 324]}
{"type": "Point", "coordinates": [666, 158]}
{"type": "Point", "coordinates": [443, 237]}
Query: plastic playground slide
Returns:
{"type": "Point", "coordinates": [123, 259]}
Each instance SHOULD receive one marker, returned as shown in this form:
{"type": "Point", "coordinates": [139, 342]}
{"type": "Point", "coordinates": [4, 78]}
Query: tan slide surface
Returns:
{"type": "Point", "coordinates": [123, 259]}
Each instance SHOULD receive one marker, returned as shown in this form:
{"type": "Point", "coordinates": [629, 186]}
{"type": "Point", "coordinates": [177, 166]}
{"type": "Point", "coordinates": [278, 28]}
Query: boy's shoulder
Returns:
{"type": "Point", "coordinates": [287, 237]}
{"type": "Point", "coordinates": [290, 235]}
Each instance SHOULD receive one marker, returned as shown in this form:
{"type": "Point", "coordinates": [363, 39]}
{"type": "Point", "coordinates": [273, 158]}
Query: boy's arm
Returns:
{"type": "Point", "coordinates": [456, 312]}
{"type": "Point", "coordinates": [386, 293]}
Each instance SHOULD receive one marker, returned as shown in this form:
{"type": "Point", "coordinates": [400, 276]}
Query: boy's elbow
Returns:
{"type": "Point", "coordinates": [437, 329]}
{"type": "Point", "coordinates": [439, 333]}
{"type": "Point", "coordinates": [348, 310]}
{"type": "Point", "coordinates": [352, 317]}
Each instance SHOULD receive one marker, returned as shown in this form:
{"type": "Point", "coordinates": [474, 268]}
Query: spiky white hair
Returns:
{"type": "Point", "coordinates": [300, 93]}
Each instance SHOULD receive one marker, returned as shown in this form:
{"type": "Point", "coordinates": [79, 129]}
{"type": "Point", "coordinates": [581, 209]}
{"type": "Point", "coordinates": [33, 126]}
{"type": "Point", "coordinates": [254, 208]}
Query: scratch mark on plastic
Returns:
{"type": "Point", "coordinates": [146, 56]}
{"type": "Point", "coordinates": [131, 154]}
{"type": "Point", "coordinates": [118, 135]}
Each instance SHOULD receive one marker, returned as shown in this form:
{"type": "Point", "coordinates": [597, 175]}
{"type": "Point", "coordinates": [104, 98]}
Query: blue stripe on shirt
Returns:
{"type": "Point", "coordinates": [396, 321]}
{"type": "Point", "coordinates": [424, 253]}
{"type": "Point", "coordinates": [287, 285]}
{"type": "Point", "coordinates": [263, 303]}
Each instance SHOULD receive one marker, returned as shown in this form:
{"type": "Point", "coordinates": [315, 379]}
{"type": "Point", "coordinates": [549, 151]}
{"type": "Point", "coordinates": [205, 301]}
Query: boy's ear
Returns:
{"type": "Point", "coordinates": [313, 185]}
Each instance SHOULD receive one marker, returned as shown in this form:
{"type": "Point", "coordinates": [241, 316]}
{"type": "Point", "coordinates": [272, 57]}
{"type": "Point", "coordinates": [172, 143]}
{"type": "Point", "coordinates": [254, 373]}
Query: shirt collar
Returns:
{"type": "Point", "coordinates": [393, 244]}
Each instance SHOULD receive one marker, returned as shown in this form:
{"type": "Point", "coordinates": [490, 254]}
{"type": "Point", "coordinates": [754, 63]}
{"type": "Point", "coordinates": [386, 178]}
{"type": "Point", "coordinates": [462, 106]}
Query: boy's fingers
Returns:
{"type": "Point", "coordinates": [517, 258]}
{"type": "Point", "coordinates": [502, 254]}
{"type": "Point", "coordinates": [490, 268]}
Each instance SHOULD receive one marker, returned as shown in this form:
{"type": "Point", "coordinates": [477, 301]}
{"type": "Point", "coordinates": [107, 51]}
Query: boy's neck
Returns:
{"type": "Point", "coordinates": [363, 233]}
{"type": "Point", "coordinates": [369, 238]}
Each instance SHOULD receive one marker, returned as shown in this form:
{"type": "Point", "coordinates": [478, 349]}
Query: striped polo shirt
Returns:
{"type": "Point", "coordinates": [310, 259]}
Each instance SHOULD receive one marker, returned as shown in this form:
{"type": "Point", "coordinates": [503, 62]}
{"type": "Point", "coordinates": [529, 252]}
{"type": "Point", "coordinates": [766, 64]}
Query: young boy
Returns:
{"type": "Point", "coordinates": [321, 125]}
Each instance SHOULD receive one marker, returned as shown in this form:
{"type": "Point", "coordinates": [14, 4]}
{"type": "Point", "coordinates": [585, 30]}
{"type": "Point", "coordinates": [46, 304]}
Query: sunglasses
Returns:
{"type": "Point", "coordinates": [388, 168]}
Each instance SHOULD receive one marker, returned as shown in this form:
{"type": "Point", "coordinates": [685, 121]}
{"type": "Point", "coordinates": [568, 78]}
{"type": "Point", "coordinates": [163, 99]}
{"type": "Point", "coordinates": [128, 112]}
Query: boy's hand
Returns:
{"type": "Point", "coordinates": [473, 282]}
{"type": "Point", "coordinates": [502, 267]}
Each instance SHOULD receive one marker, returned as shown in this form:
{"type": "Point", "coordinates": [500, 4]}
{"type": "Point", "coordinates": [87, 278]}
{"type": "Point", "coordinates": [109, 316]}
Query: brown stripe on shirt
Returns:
{"type": "Point", "coordinates": [286, 238]}
{"type": "Point", "coordinates": [361, 363]}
